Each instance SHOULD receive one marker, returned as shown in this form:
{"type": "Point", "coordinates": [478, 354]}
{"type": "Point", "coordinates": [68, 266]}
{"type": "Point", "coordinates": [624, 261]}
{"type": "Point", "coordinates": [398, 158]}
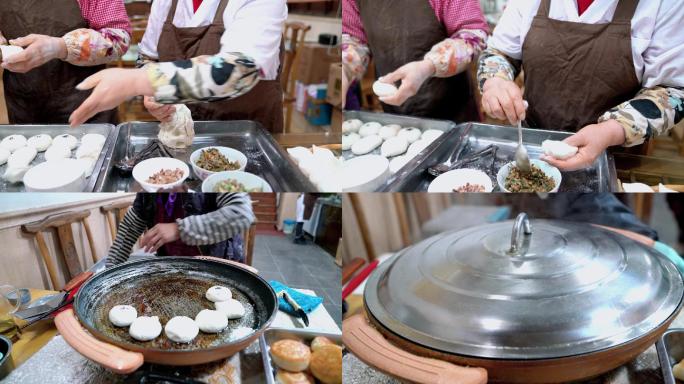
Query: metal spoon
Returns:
{"type": "Point", "coordinates": [522, 159]}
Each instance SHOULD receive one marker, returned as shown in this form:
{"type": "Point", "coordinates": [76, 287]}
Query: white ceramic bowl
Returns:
{"type": "Point", "coordinates": [65, 175]}
{"type": "Point", "coordinates": [249, 180]}
{"type": "Point", "coordinates": [230, 153]}
{"type": "Point", "coordinates": [146, 168]}
{"type": "Point", "coordinates": [547, 168]}
{"type": "Point", "coordinates": [452, 180]}
{"type": "Point", "coordinates": [364, 173]}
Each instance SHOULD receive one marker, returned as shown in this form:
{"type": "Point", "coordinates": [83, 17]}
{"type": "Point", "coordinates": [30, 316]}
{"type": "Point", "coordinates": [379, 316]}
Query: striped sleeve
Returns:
{"type": "Point", "coordinates": [130, 229]}
{"type": "Point", "coordinates": [233, 217]}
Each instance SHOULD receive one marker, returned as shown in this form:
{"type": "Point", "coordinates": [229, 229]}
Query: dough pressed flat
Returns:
{"type": "Point", "coordinates": [181, 329]}
{"type": "Point", "coordinates": [218, 293]}
{"type": "Point", "coordinates": [232, 308]}
{"type": "Point", "coordinates": [145, 328]}
{"type": "Point", "coordinates": [122, 315]}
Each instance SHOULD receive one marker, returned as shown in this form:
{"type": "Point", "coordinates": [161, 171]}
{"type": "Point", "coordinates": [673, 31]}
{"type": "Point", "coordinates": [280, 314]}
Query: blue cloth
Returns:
{"type": "Point", "coordinates": [671, 254]}
{"type": "Point", "coordinates": [307, 302]}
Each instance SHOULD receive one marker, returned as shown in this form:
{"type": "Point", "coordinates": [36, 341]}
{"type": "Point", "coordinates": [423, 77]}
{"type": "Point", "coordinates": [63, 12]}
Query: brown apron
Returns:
{"type": "Point", "coordinates": [574, 72]}
{"type": "Point", "coordinates": [402, 31]}
{"type": "Point", "coordinates": [46, 94]}
{"type": "Point", "coordinates": [263, 103]}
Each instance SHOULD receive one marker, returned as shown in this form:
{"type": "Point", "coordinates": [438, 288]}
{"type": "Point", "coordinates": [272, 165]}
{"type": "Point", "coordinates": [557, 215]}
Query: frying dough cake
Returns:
{"type": "Point", "coordinates": [122, 315]}
{"type": "Point", "coordinates": [326, 364]}
{"type": "Point", "coordinates": [290, 355]}
{"type": "Point", "coordinates": [320, 341]}
{"type": "Point", "coordinates": [218, 293]}
{"type": "Point", "coordinates": [181, 329]}
{"type": "Point", "coordinates": [232, 308]}
{"type": "Point", "coordinates": [285, 377]}
{"type": "Point", "coordinates": [211, 321]}
{"type": "Point", "coordinates": [145, 328]}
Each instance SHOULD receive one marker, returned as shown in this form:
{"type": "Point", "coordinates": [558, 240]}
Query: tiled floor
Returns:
{"type": "Point", "coordinates": [300, 266]}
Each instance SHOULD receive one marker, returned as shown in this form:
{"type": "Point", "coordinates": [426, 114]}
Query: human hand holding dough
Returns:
{"type": "Point", "coordinates": [179, 130]}
{"type": "Point", "coordinates": [591, 141]}
{"type": "Point", "coordinates": [412, 76]}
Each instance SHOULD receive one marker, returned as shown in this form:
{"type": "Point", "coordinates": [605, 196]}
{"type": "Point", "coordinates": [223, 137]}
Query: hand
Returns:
{"type": "Point", "coordinates": [159, 235]}
{"type": "Point", "coordinates": [38, 50]}
{"type": "Point", "coordinates": [503, 100]}
{"type": "Point", "coordinates": [111, 87]}
{"type": "Point", "coordinates": [591, 140]}
{"type": "Point", "coordinates": [162, 112]}
{"type": "Point", "coordinates": [412, 77]}
{"type": "Point", "coordinates": [345, 88]}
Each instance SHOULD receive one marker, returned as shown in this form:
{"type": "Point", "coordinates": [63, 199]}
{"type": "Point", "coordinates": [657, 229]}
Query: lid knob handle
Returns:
{"type": "Point", "coordinates": [521, 226]}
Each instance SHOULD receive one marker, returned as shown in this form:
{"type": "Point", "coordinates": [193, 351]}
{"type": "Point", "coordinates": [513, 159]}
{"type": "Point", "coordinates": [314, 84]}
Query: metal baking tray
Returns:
{"type": "Point", "coordinates": [670, 349]}
{"type": "Point", "coordinates": [600, 177]}
{"type": "Point", "coordinates": [272, 335]}
{"type": "Point", "coordinates": [107, 130]}
{"type": "Point", "coordinates": [265, 157]}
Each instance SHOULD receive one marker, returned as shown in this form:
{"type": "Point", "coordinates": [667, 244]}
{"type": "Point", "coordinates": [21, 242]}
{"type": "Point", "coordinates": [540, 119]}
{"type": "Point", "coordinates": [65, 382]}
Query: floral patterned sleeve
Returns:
{"type": "Point", "coordinates": [494, 63]}
{"type": "Point", "coordinates": [355, 57]}
{"type": "Point", "coordinates": [453, 55]}
{"type": "Point", "coordinates": [654, 111]}
{"type": "Point", "coordinates": [203, 78]}
{"type": "Point", "coordinates": [91, 47]}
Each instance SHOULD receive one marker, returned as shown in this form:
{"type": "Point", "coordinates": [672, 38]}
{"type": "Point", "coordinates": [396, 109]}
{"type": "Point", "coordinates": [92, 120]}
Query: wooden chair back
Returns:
{"type": "Point", "coordinates": [62, 223]}
{"type": "Point", "coordinates": [294, 35]}
{"type": "Point", "coordinates": [248, 239]}
{"type": "Point", "coordinates": [115, 213]}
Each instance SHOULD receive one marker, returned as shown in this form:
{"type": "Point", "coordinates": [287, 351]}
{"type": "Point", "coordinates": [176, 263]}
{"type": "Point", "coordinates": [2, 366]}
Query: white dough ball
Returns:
{"type": "Point", "coordinates": [366, 145]}
{"type": "Point", "coordinates": [58, 150]}
{"type": "Point", "coordinates": [218, 293]}
{"type": "Point", "coordinates": [410, 134]}
{"type": "Point", "coordinates": [240, 332]}
{"type": "Point", "coordinates": [88, 150]}
{"type": "Point", "coordinates": [145, 328]}
{"type": "Point", "coordinates": [348, 139]}
{"type": "Point", "coordinates": [431, 135]}
{"type": "Point", "coordinates": [351, 125]}
{"type": "Point", "coordinates": [122, 315]}
{"type": "Point", "coordinates": [22, 157]}
{"type": "Point", "coordinates": [558, 149]}
{"type": "Point", "coordinates": [181, 329]}
{"type": "Point", "coordinates": [13, 142]}
{"type": "Point", "coordinates": [4, 155]}
{"type": "Point", "coordinates": [369, 129]}
{"type": "Point", "coordinates": [384, 89]}
{"type": "Point", "coordinates": [94, 139]}
{"type": "Point", "coordinates": [211, 321]}
{"type": "Point", "coordinates": [394, 146]}
{"type": "Point", "coordinates": [15, 174]}
{"type": "Point", "coordinates": [232, 308]}
{"type": "Point", "coordinates": [390, 130]}
{"type": "Point", "coordinates": [67, 139]}
{"type": "Point", "coordinates": [398, 163]}
{"type": "Point", "coordinates": [39, 142]}
{"type": "Point", "coordinates": [417, 147]}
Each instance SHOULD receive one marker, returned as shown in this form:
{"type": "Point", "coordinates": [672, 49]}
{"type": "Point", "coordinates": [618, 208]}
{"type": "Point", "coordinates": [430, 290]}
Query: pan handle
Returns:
{"type": "Point", "coordinates": [107, 355]}
{"type": "Point", "coordinates": [647, 241]}
{"type": "Point", "coordinates": [231, 262]}
{"type": "Point", "coordinates": [371, 347]}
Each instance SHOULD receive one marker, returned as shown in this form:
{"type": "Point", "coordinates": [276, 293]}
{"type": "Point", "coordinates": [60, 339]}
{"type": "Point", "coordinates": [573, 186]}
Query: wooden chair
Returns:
{"type": "Point", "coordinates": [294, 35]}
{"type": "Point", "coordinates": [249, 238]}
{"type": "Point", "coordinates": [62, 223]}
{"type": "Point", "coordinates": [115, 213]}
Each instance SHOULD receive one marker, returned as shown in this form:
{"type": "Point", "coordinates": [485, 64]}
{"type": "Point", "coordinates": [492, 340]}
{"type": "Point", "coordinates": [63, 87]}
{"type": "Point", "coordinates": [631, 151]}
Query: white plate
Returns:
{"type": "Point", "coordinates": [452, 180]}
{"type": "Point", "coordinates": [64, 175]}
{"type": "Point", "coordinates": [547, 168]}
{"type": "Point", "coordinates": [249, 180]}
{"type": "Point", "coordinates": [146, 168]}
{"type": "Point", "coordinates": [230, 154]}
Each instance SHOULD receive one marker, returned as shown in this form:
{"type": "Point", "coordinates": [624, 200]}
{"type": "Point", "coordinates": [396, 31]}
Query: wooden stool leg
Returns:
{"type": "Point", "coordinates": [91, 242]}
{"type": "Point", "coordinates": [46, 258]}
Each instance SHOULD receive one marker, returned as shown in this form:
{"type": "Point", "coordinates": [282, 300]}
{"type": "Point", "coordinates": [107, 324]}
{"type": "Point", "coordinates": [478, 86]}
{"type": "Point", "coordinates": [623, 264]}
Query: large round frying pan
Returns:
{"type": "Point", "coordinates": [374, 340]}
{"type": "Point", "coordinates": [164, 287]}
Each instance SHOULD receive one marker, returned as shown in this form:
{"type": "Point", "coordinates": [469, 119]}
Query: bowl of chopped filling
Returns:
{"type": "Point", "coordinates": [160, 173]}
{"type": "Point", "coordinates": [210, 160]}
{"type": "Point", "coordinates": [543, 178]}
{"type": "Point", "coordinates": [464, 180]}
{"type": "Point", "coordinates": [235, 181]}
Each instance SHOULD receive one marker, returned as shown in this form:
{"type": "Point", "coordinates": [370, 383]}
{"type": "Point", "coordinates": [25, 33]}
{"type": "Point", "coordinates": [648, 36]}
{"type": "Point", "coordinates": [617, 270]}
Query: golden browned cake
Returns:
{"type": "Point", "coordinates": [319, 341]}
{"type": "Point", "coordinates": [285, 377]}
{"type": "Point", "coordinates": [291, 355]}
{"type": "Point", "coordinates": [326, 364]}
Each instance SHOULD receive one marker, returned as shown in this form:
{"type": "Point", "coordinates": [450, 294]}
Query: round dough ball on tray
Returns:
{"type": "Point", "coordinates": [40, 142]}
{"type": "Point", "coordinates": [4, 155]}
{"type": "Point", "coordinates": [218, 293]}
{"type": "Point", "coordinates": [369, 129]}
{"type": "Point", "coordinates": [122, 315]}
{"type": "Point", "coordinates": [390, 130]}
{"type": "Point", "coordinates": [348, 139]}
{"type": "Point", "coordinates": [352, 125]}
{"type": "Point", "coordinates": [366, 145]}
{"type": "Point", "coordinates": [67, 139]}
{"type": "Point", "coordinates": [57, 151]}
{"type": "Point", "coordinates": [145, 328]}
{"type": "Point", "coordinates": [411, 134]}
{"type": "Point", "coordinates": [13, 142]}
{"type": "Point", "coordinates": [211, 321]}
{"type": "Point", "coordinates": [181, 329]}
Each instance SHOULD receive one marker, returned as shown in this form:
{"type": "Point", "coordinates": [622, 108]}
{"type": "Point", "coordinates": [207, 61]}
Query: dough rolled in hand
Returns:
{"type": "Point", "coordinates": [180, 131]}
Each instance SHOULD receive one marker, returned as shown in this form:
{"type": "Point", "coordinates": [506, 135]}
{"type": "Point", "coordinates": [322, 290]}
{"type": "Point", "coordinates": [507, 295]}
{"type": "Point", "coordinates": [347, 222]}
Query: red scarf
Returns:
{"type": "Point", "coordinates": [196, 4]}
{"type": "Point", "coordinates": [582, 5]}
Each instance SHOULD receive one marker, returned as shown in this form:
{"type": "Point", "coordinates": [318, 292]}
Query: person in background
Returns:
{"type": "Point", "coordinates": [218, 51]}
{"type": "Point", "coordinates": [299, 227]}
{"type": "Point", "coordinates": [427, 45]}
{"type": "Point", "coordinates": [612, 71]}
{"type": "Point", "coordinates": [64, 42]}
{"type": "Point", "coordinates": [184, 224]}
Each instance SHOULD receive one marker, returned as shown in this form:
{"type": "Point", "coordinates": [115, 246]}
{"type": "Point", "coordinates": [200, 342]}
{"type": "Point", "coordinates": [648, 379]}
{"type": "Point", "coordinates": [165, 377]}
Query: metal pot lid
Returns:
{"type": "Point", "coordinates": [495, 291]}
